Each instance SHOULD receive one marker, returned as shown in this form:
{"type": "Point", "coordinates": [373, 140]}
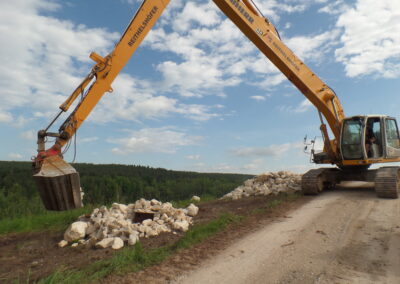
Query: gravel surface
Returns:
{"type": "Point", "coordinates": [343, 236]}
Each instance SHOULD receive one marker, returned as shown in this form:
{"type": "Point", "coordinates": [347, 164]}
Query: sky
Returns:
{"type": "Point", "coordinates": [197, 95]}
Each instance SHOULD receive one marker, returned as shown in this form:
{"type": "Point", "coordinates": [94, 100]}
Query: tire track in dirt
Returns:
{"type": "Point", "coordinates": [343, 236]}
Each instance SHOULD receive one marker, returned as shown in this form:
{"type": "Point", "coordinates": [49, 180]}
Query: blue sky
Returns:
{"type": "Point", "coordinates": [197, 95]}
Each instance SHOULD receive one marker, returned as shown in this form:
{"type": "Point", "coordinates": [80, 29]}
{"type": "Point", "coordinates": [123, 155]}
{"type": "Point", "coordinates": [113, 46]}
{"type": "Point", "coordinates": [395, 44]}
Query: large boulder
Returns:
{"type": "Point", "coordinates": [75, 231]}
{"type": "Point", "coordinates": [192, 210]}
{"type": "Point", "coordinates": [181, 225]}
{"type": "Point", "coordinates": [133, 238]}
{"type": "Point", "coordinates": [195, 198]}
{"type": "Point", "coordinates": [105, 243]}
{"type": "Point", "coordinates": [118, 243]}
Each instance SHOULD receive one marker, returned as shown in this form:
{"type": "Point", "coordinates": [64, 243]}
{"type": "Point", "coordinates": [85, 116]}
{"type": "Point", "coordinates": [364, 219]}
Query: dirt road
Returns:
{"type": "Point", "coordinates": [343, 236]}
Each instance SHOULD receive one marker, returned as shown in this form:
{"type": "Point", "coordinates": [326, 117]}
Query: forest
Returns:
{"type": "Point", "coordinates": [105, 184]}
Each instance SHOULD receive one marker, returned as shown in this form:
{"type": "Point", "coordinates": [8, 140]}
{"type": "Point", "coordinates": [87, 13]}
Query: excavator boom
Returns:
{"type": "Point", "coordinates": [266, 37]}
{"type": "Point", "coordinates": [58, 182]}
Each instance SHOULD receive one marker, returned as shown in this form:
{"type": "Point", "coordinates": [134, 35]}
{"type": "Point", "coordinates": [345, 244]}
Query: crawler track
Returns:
{"type": "Point", "coordinates": [387, 182]}
{"type": "Point", "coordinates": [312, 182]}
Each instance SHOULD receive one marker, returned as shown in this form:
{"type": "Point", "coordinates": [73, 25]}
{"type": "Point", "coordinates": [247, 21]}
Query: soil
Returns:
{"type": "Point", "coordinates": [343, 236]}
{"type": "Point", "coordinates": [28, 257]}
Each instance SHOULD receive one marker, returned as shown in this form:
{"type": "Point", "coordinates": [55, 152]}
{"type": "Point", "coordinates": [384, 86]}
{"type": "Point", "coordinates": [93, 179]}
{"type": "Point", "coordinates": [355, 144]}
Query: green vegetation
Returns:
{"type": "Point", "coordinates": [45, 221]}
{"type": "Point", "coordinates": [21, 208]}
{"type": "Point", "coordinates": [135, 259]}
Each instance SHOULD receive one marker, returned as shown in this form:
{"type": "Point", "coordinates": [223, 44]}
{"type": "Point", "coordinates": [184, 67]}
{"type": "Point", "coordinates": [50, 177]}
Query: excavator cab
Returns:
{"type": "Point", "coordinates": [373, 137]}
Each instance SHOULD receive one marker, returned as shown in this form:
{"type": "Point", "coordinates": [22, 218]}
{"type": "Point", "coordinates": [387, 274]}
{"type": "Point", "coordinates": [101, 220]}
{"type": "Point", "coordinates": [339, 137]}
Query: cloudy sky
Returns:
{"type": "Point", "coordinates": [197, 95]}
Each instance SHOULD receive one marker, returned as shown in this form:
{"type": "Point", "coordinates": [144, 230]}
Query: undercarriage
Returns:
{"type": "Point", "coordinates": [386, 179]}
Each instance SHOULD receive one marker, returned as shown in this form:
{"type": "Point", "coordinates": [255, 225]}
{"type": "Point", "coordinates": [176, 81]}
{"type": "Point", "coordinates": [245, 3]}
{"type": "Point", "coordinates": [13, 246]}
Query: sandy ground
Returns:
{"type": "Point", "coordinates": [343, 236]}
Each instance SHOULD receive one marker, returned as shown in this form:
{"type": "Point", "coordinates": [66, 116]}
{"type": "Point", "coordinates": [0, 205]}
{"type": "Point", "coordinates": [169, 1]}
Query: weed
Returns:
{"type": "Point", "coordinates": [45, 221]}
{"type": "Point", "coordinates": [136, 258]}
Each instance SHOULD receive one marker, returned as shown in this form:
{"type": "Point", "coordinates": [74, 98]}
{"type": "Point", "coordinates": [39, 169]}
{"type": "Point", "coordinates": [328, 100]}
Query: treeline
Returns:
{"type": "Point", "coordinates": [104, 184]}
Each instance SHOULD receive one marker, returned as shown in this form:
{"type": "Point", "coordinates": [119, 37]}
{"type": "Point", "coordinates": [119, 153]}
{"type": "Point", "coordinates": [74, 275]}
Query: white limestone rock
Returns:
{"type": "Point", "coordinates": [111, 227]}
{"type": "Point", "coordinates": [62, 243]}
{"type": "Point", "coordinates": [105, 243]}
{"type": "Point", "coordinates": [75, 231]}
{"type": "Point", "coordinates": [133, 239]}
{"type": "Point", "coordinates": [195, 198]}
{"type": "Point", "coordinates": [192, 210]}
{"type": "Point", "coordinates": [266, 184]}
{"type": "Point", "coordinates": [147, 222]}
{"type": "Point", "coordinates": [181, 225]}
{"type": "Point", "coordinates": [155, 202]}
{"type": "Point", "coordinates": [118, 243]}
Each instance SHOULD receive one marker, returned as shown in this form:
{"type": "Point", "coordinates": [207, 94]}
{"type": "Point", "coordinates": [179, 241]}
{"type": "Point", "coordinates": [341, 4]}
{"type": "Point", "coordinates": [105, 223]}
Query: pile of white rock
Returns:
{"type": "Point", "coordinates": [115, 226]}
{"type": "Point", "coordinates": [266, 184]}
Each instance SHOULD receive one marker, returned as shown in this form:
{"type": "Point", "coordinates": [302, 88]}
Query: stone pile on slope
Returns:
{"type": "Point", "coordinates": [266, 184]}
{"type": "Point", "coordinates": [115, 226]}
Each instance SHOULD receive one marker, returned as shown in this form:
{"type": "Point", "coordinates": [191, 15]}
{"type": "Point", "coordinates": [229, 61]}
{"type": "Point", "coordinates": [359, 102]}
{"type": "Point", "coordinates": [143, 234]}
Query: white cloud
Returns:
{"type": "Point", "coordinates": [303, 106]}
{"type": "Point", "coordinates": [334, 8]}
{"type": "Point", "coordinates": [15, 156]}
{"type": "Point", "coordinates": [254, 164]}
{"type": "Point", "coordinates": [371, 41]}
{"type": "Point", "coordinates": [213, 53]}
{"type": "Point", "coordinates": [88, 139]}
{"type": "Point", "coordinates": [29, 135]}
{"type": "Point", "coordinates": [5, 117]}
{"type": "Point", "coordinates": [313, 47]}
{"type": "Point", "coordinates": [39, 54]}
{"type": "Point", "coordinates": [268, 151]}
{"type": "Point", "coordinates": [258, 98]}
{"type": "Point", "coordinates": [153, 140]}
{"type": "Point", "coordinates": [203, 14]}
{"type": "Point", "coordinates": [193, 157]}
{"type": "Point", "coordinates": [45, 58]}
{"type": "Point", "coordinates": [137, 100]}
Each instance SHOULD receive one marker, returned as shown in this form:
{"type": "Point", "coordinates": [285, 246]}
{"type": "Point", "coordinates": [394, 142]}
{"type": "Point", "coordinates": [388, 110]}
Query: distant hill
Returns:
{"type": "Point", "coordinates": [104, 184]}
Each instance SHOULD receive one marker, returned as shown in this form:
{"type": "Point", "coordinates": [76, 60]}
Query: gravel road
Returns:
{"type": "Point", "coordinates": [343, 236]}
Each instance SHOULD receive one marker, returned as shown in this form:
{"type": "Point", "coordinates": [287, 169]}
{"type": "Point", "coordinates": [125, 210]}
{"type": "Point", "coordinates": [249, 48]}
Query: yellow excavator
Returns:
{"type": "Point", "coordinates": [358, 141]}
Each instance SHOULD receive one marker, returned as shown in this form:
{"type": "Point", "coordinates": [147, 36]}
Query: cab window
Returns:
{"type": "Point", "coordinates": [392, 134]}
{"type": "Point", "coordinates": [352, 148]}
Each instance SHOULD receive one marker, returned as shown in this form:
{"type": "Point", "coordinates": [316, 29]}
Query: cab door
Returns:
{"type": "Point", "coordinates": [352, 142]}
{"type": "Point", "coordinates": [392, 141]}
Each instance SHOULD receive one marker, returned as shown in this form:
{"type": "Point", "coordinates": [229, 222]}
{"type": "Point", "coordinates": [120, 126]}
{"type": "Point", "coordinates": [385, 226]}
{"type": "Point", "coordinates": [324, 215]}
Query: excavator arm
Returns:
{"type": "Point", "coordinates": [102, 75]}
{"type": "Point", "coordinates": [58, 182]}
{"type": "Point", "coordinates": [264, 35]}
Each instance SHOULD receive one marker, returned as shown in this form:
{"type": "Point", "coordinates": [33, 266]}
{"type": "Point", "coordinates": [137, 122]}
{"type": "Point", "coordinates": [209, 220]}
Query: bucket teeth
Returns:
{"type": "Point", "coordinates": [59, 185]}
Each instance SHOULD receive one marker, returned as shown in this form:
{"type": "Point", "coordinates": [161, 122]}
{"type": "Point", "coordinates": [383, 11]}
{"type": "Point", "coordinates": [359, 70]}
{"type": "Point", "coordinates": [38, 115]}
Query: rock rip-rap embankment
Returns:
{"type": "Point", "coordinates": [267, 184]}
{"type": "Point", "coordinates": [116, 226]}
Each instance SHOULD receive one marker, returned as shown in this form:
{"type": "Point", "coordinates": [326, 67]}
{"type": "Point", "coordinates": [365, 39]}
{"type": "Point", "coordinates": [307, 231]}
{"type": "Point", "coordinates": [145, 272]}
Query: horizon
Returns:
{"type": "Point", "coordinates": [196, 81]}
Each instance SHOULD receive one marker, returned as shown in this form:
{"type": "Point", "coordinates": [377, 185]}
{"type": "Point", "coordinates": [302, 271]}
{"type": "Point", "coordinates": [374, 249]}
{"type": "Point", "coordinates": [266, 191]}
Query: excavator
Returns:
{"type": "Point", "coordinates": [358, 141]}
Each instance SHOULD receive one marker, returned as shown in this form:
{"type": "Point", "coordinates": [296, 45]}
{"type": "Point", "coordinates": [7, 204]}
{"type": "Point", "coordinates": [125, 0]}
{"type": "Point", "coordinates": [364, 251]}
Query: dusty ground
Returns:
{"type": "Point", "coordinates": [36, 255]}
{"type": "Point", "coordinates": [343, 236]}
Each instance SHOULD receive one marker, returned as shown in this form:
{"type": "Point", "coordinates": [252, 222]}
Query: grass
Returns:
{"type": "Point", "coordinates": [130, 259]}
{"type": "Point", "coordinates": [61, 220]}
{"type": "Point", "coordinates": [47, 221]}
{"type": "Point", "coordinates": [136, 258]}
{"type": "Point", "coordinates": [185, 203]}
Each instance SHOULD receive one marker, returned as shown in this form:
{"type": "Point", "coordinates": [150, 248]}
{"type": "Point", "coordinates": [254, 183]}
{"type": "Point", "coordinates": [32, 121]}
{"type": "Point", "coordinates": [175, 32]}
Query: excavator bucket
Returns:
{"type": "Point", "coordinates": [59, 185]}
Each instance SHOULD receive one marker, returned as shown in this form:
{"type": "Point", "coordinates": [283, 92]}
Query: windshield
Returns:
{"type": "Point", "coordinates": [392, 135]}
{"type": "Point", "coordinates": [352, 139]}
